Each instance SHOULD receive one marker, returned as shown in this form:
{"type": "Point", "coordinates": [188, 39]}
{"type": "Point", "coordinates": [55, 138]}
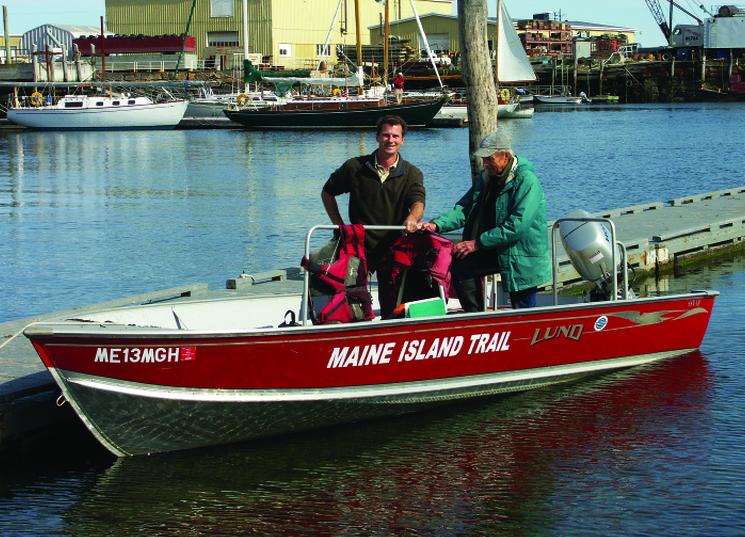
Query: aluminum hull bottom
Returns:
{"type": "Point", "coordinates": [138, 419]}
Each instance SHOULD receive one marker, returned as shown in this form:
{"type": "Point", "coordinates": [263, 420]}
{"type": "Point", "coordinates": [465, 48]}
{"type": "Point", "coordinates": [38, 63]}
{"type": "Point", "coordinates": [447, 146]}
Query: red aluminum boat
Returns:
{"type": "Point", "coordinates": [193, 373]}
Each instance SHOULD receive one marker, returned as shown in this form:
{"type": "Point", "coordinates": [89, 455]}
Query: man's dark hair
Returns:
{"type": "Point", "coordinates": [391, 120]}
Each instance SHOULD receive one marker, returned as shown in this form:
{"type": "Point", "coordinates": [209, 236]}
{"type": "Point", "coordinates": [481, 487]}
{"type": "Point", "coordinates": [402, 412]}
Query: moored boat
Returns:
{"type": "Point", "coordinates": [199, 372]}
{"type": "Point", "coordinates": [336, 112]}
{"type": "Point", "coordinates": [560, 99]}
{"type": "Point", "coordinates": [211, 105]}
{"type": "Point", "coordinates": [96, 112]}
{"type": "Point", "coordinates": [504, 111]}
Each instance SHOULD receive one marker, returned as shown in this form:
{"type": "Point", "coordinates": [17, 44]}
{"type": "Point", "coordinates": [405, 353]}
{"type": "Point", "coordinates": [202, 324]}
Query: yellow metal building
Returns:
{"type": "Point", "coordinates": [582, 29]}
{"type": "Point", "coordinates": [14, 42]}
{"type": "Point", "coordinates": [287, 33]}
{"type": "Point", "coordinates": [441, 31]}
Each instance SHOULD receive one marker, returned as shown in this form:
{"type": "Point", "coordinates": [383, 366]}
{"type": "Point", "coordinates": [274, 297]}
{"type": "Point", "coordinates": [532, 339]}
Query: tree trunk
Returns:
{"type": "Point", "coordinates": [478, 75]}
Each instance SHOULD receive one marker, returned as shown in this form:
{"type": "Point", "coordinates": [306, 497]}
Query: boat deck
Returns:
{"type": "Point", "coordinates": [656, 235]}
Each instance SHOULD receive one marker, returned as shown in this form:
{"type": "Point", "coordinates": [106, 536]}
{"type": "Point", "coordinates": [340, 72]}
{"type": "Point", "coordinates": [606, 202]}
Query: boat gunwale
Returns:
{"type": "Point", "coordinates": [102, 330]}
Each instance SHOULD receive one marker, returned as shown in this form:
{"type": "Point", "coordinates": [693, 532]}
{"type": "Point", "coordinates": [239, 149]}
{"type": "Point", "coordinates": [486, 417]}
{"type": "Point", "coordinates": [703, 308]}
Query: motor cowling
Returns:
{"type": "Point", "coordinates": [589, 247]}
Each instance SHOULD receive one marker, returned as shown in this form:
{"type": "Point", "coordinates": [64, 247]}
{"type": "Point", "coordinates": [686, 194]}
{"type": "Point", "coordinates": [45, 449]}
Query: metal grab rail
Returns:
{"type": "Point", "coordinates": [615, 242]}
{"type": "Point", "coordinates": [306, 276]}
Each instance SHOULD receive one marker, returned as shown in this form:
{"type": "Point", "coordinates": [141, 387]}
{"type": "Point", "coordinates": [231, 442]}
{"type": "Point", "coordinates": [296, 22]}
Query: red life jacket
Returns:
{"type": "Point", "coordinates": [427, 254]}
{"type": "Point", "coordinates": [341, 293]}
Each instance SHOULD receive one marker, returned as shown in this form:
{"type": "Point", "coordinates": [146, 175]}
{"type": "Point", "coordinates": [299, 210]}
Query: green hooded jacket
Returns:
{"type": "Point", "coordinates": [520, 238]}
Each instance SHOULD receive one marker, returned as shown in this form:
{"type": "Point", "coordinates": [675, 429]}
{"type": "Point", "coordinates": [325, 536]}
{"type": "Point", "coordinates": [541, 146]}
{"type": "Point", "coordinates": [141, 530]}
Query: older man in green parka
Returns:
{"type": "Point", "coordinates": [503, 217]}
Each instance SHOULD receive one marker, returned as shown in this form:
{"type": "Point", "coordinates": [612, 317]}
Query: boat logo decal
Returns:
{"type": "Point", "coordinates": [144, 355]}
{"type": "Point", "coordinates": [600, 323]}
{"type": "Point", "coordinates": [657, 317]}
{"type": "Point", "coordinates": [573, 332]}
{"type": "Point", "coordinates": [418, 349]}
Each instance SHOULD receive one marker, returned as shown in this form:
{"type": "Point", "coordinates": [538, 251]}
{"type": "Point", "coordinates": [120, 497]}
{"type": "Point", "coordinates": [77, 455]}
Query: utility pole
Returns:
{"type": "Point", "coordinates": [7, 35]}
{"type": "Point", "coordinates": [386, 37]}
{"type": "Point", "coordinates": [478, 75]}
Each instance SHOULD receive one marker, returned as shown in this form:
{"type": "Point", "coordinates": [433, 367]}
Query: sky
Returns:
{"type": "Point", "coordinates": [26, 14]}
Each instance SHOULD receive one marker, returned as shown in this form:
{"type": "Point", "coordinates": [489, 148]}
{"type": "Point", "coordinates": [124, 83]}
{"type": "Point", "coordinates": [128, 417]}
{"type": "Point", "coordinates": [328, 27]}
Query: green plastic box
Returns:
{"type": "Point", "coordinates": [429, 307]}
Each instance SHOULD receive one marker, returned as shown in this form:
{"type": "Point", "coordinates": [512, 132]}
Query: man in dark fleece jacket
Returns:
{"type": "Point", "coordinates": [384, 190]}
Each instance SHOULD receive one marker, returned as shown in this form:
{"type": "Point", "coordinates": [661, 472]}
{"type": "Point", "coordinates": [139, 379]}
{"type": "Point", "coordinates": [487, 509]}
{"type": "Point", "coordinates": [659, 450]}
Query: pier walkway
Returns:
{"type": "Point", "coordinates": [657, 236]}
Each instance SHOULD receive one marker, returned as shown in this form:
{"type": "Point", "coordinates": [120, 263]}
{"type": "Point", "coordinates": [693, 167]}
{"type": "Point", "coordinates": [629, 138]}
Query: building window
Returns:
{"type": "Point", "coordinates": [221, 8]}
{"type": "Point", "coordinates": [222, 39]}
{"type": "Point", "coordinates": [323, 51]}
{"type": "Point", "coordinates": [285, 49]}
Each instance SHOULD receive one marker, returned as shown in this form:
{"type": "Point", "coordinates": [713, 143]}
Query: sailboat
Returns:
{"type": "Point", "coordinates": [512, 67]}
{"type": "Point", "coordinates": [340, 110]}
{"type": "Point", "coordinates": [97, 112]}
{"type": "Point", "coordinates": [106, 110]}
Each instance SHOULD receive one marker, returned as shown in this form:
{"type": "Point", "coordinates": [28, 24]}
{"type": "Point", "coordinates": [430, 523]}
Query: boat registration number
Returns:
{"type": "Point", "coordinates": [144, 355]}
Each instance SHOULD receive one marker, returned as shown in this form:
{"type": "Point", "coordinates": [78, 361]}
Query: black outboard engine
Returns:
{"type": "Point", "coordinates": [589, 247]}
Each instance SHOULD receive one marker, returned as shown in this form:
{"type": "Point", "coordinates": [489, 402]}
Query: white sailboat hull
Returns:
{"type": "Point", "coordinates": [504, 111]}
{"type": "Point", "coordinates": [139, 116]}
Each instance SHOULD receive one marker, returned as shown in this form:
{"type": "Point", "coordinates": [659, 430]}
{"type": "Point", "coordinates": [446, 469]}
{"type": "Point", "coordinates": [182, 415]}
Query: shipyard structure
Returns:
{"type": "Point", "coordinates": [146, 40]}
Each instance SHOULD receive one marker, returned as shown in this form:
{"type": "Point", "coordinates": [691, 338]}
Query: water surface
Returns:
{"type": "Point", "coordinates": [651, 451]}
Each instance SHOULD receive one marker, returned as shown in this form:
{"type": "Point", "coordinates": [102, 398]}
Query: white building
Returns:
{"type": "Point", "coordinates": [57, 37]}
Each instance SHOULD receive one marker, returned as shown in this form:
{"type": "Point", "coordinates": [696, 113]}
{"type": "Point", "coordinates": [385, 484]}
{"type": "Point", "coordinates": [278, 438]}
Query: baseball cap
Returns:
{"type": "Point", "coordinates": [492, 143]}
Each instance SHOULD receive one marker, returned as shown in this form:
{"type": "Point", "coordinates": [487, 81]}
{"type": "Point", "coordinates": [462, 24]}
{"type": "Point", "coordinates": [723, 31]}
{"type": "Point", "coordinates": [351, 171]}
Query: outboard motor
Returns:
{"type": "Point", "coordinates": [588, 245]}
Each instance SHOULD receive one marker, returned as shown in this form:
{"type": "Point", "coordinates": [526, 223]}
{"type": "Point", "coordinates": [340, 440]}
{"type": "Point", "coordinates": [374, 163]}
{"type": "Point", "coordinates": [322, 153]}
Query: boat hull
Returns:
{"type": "Point", "coordinates": [558, 100]}
{"type": "Point", "coordinates": [151, 390]}
{"type": "Point", "coordinates": [417, 114]}
{"type": "Point", "coordinates": [504, 111]}
{"type": "Point", "coordinates": [142, 116]}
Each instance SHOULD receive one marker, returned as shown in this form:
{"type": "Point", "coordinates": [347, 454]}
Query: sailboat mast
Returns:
{"type": "Point", "coordinates": [426, 43]}
{"type": "Point", "coordinates": [360, 69]}
{"type": "Point", "coordinates": [103, 54]}
{"type": "Point", "coordinates": [183, 41]}
{"type": "Point", "coordinates": [385, 43]}
{"type": "Point", "coordinates": [245, 44]}
{"type": "Point", "coordinates": [497, 22]}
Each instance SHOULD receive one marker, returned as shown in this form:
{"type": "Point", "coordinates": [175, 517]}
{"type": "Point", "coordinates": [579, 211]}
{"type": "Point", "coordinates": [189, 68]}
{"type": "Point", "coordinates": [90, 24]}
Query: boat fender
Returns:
{"type": "Point", "coordinates": [336, 92]}
{"type": "Point", "coordinates": [242, 99]}
{"type": "Point", "coordinates": [505, 94]}
{"type": "Point", "coordinates": [37, 98]}
{"type": "Point", "coordinates": [291, 322]}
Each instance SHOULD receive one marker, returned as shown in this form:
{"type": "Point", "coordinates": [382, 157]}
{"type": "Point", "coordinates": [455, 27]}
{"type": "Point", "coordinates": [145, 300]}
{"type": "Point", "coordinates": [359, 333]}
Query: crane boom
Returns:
{"type": "Point", "coordinates": [659, 17]}
{"type": "Point", "coordinates": [654, 7]}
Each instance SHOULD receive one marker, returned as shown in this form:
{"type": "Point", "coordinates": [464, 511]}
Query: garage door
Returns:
{"type": "Point", "coordinates": [439, 42]}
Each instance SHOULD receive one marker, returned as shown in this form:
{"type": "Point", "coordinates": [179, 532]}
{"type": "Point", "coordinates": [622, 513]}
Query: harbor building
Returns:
{"type": "Point", "coordinates": [55, 38]}
{"type": "Point", "coordinates": [11, 50]}
{"type": "Point", "coordinates": [293, 34]}
{"type": "Point", "coordinates": [539, 35]}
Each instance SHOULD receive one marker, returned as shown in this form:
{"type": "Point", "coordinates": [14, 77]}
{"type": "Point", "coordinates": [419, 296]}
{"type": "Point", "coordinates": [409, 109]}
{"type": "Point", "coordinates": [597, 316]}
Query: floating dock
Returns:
{"type": "Point", "coordinates": [658, 237]}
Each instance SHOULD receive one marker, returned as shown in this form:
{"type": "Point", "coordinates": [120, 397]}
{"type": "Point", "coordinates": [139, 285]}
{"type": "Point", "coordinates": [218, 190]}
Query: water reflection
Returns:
{"type": "Point", "coordinates": [507, 465]}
